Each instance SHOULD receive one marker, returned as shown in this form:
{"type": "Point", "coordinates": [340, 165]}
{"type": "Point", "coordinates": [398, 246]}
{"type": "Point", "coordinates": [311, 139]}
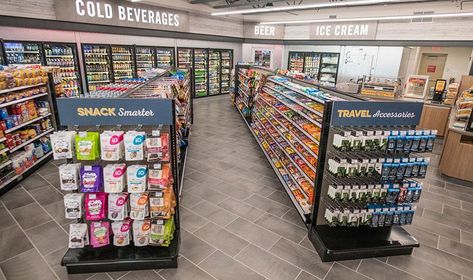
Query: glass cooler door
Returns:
{"type": "Point", "coordinates": [201, 57]}
{"type": "Point", "coordinates": [227, 65]}
{"type": "Point", "coordinates": [23, 53]}
{"type": "Point", "coordinates": [184, 58]}
{"type": "Point", "coordinates": [328, 69]}
{"type": "Point", "coordinates": [214, 72]}
{"type": "Point", "coordinates": [145, 59]}
{"type": "Point", "coordinates": [97, 60]}
{"type": "Point", "coordinates": [296, 61]}
{"type": "Point", "coordinates": [312, 64]}
{"type": "Point", "coordinates": [165, 57]}
{"type": "Point", "coordinates": [123, 62]}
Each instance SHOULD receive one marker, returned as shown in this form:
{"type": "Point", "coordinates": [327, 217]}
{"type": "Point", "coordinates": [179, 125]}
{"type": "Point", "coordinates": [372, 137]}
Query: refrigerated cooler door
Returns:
{"type": "Point", "coordinates": [227, 65]}
{"type": "Point", "coordinates": [328, 69]}
{"type": "Point", "coordinates": [201, 57]}
{"type": "Point", "coordinates": [214, 72]}
{"type": "Point", "coordinates": [145, 59]}
{"type": "Point", "coordinates": [184, 58]}
{"type": "Point", "coordinates": [23, 53]}
{"type": "Point", "coordinates": [165, 57]}
{"type": "Point", "coordinates": [312, 64]}
{"type": "Point", "coordinates": [97, 65]}
{"type": "Point", "coordinates": [123, 62]}
{"type": "Point", "coordinates": [2, 60]}
{"type": "Point", "coordinates": [296, 61]}
{"type": "Point", "coordinates": [65, 57]}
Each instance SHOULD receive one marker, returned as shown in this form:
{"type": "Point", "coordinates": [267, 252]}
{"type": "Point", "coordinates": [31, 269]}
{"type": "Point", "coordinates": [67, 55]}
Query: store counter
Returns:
{"type": "Point", "coordinates": [456, 155]}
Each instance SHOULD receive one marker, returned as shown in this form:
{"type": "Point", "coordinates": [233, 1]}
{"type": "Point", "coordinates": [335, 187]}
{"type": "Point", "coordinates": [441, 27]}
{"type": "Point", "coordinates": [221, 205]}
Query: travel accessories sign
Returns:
{"type": "Point", "coordinates": [122, 13]}
{"type": "Point", "coordinates": [91, 112]}
{"type": "Point", "coordinates": [362, 113]}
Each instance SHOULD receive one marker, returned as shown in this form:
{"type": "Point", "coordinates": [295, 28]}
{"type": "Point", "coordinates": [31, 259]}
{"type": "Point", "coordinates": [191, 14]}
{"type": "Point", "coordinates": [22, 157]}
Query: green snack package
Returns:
{"type": "Point", "coordinates": [87, 145]}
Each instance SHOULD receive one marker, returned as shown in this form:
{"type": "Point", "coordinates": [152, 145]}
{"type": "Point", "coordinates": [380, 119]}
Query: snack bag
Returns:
{"type": "Point", "coordinates": [62, 144]}
{"type": "Point", "coordinates": [100, 234]}
{"type": "Point", "coordinates": [95, 206]}
{"type": "Point", "coordinates": [121, 233]}
{"type": "Point", "coordinates": [69, 177]}
{"type": "Point", "coordinates": [139, 206]}
{"type": "Point", "coordinates": [160, 204]}
{"type": "Point", "coordinates": [91, 178]}
{"type": "Point", "coordinates": [134, 145]}
{"type": "Point", "coordinates": [136, 178]}
{"type": "Point", "coordinates": [162, 232]}
{"type": "Point", "coordinates": [111, 144]}
{"type": "Point", "coordinates": [117, 206]}
{"type": "Point", "coordinates": [141, 233]}
{"type": "Point", "coordinates": [78, 236]}
{"type": "Point", "coordinates": [157, 147]}
{"type": "Point", "coordinates": [73, 205]}
{"type": "Point", "coordinates": [159, 179]}
{"type": "Point", "coordinates": [87, 145]}
{"type": "Point", "coordinates": [114, 178]}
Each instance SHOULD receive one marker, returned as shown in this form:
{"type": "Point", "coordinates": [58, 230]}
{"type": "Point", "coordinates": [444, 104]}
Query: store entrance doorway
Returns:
{"type": "Point", "coordinates": [432, 65]}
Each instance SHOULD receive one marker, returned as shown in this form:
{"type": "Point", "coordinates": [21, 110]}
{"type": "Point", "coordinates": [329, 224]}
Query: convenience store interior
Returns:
{"type": "Point", "coordinates": [258, 171]}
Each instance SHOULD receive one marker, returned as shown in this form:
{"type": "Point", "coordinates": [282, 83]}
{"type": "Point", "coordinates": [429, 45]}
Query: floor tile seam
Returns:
{"type": "Point", "coordinates": [88, 278]}
{"type": "Point", "coordinates": [455, 191]}
{"type": "Point", "coordinates": [128, 272]}
{"type": "Point", "coordinates": [439, 236]}
{"type": "Point", "coordinates": [37, 226]}
{"type": "Point", "coordinates": [398, 268]}
{"type": "Point", "coordinates": [31, 241]}
{"type": "Point", "coordinates": [195, 266]}
{"type": "Point", "coordinates": [326, 274]}
{"type": "Point", "coordinates": [17, 255]}
{"type": "Point", "coordinates": [438, 222]}
{"type": "Point", "coordinates": [50, 184]}
{"type": "Point", "coordinates": [44, 209]}
{"type": "Point", "coordinates": [442, 195]}
{"type": "Point", "coordinates": [207, 257]}
{"type": "Point", "coordinates": [358, 266]}
{"type": "Point", "coordinates": [434, 264]}
{"type": "Point", "coordinates": [280, 218]}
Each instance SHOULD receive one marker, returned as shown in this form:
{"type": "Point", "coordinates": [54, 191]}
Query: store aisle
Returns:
{"type": "Point", "coordinates": [237, 223]}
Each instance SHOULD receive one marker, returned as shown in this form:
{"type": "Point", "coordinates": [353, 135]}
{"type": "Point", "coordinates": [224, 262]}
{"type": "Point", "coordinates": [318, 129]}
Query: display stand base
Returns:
{"type": "Point", "coordinates": [112, 258]}
{"type": "Point", "coordinates": [336, 243]}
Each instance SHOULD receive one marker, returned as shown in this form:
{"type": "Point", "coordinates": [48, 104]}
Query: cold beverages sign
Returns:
{"type": "Point", "coordinates": [122, 13]}
{"type": "Point", "coordinates": [353, 31]}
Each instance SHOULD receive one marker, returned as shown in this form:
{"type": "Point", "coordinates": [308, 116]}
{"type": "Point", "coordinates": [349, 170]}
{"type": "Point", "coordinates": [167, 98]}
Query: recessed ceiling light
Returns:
{"type": "Point", "coordinates": [305, 7]}
{"type": "Point", "coordinates": [454, 15]}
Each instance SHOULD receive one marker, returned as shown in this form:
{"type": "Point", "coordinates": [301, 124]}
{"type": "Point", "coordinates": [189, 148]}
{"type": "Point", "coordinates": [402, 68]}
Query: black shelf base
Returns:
{"type": "Point", "coordinates": [337, 244]}
{"type": "Point", "coordinates": [112, 258]}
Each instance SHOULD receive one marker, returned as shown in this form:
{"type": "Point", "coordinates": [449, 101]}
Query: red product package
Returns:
{"type": "Point", "coordinates": [95, 206]}
{"type": "Point", "coordinates": [99, 234]}
{"type": "Point", "coordinates": [160, 178]}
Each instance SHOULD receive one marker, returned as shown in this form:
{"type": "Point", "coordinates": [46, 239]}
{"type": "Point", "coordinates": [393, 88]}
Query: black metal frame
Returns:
{"type": "Point", "coordinates": [3, 57]}
{"type": "Point", "coordinates": [41, 51]}
{"type": "Point", "coordinates": [110, 66]}
{"type": "Point", "coordinates": [76, 60]}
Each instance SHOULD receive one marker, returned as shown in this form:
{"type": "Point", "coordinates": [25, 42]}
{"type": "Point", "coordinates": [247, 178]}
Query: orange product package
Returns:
{"type": "Point", "coordinates": [160, 178]}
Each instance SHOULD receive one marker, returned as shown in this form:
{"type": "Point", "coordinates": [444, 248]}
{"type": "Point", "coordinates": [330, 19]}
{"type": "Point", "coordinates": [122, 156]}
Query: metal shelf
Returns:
{"type": "Point", "coordinates": [31, 140]}
{"type": "Point", "coordinates": [26, 123]}
{"type": "Point", "coordinates": [19, 88]}
{"type": "Point", "coordinates": [298, 91]}
{"type": "Point", "coordinates": [22, 100]}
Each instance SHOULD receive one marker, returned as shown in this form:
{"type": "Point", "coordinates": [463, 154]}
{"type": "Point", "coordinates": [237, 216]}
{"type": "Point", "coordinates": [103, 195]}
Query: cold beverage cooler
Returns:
{"type": "Point", "coordinates": [312, 64]}
{"type": "Point", "coordinates": [23, 53]}
{"type": "Point", "coordinates": [184, 58]}
{"type": "Point", "coordinates": [215, 69]}
{"type": "Point", "coordinates": [201, 57]}
{"type": "Point", "coordinates": [97, 61]}
{"type": "Point", "coordinates": [123, 62]}
{"type": "Point", "coordinates": [227, 65]}
{"type": "Point", "coordinates": [64, 56]}
{"type": "Point", "coordinates": [296, 62]}
{"type": "Point", "coordinates": [165, 57]}
{"type": "Point", "coordinates": [145, 59]}
{"type": "Point", "coordinates": [322, 67]}
{"type": "Point", "coordinates": [329, 69]}
{"type": "Point", "coordinates": [2, 59]}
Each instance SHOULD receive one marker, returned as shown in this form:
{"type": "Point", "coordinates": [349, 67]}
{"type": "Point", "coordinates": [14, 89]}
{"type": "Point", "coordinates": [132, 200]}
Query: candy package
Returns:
{"type": "Point", "coordinates": [160, 178]}
{"type": "Point", "coordinates": [78, 236]}
{"type": "Point", "coordinates": [134, 145]}
{"type": "Point", "coordinates": [139, 206]}
{"type": "Point", "coordinates": [91, 178]}
{"type": "Point", "coordinates": [87, 146]}
{"type": "Point", "coordinates": [69, 177]}
{"type": "Point", "coordinates": [95, 206]}
{"type": "Point", "coordinates": [136, 178]}
{"type": "Point", "coordinates": [161, 204]}
{"type": "Point", "coordinates": [111, 145]}
{"type": "Point", "coordinates": [73, 205]}
{"type": "Point", "coordinates": [62, 144]}
{"type": "Point", "coordinates": [99, 234]}
{"type": "Point", "coordinates": [157, 147]}
{"type": "Point", "coordinates": [114, 178]}
{"type": "Point", "coordinates": [121, 233]}
{"type": "Point", "coordinates": [141, 233]}
{"type": "Point", "coordinates": [117, 206]}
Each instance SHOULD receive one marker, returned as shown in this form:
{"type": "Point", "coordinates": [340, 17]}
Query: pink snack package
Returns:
{"type": "Point", "coordinates": [95, 206]}
{"type": "Point", "coordinates": [100, 234]}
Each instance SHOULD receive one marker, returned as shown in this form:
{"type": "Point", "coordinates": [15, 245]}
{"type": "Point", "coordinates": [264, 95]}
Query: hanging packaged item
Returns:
{"type": "Point", "coordinates": [73, 205]}
{"type": "Point", "coordinates": [114, 178]}
{"type": "Point", "coordinates": [121, 233]}
{"type": "Point", "coordinates": [161, 204]}
{"type": "Point", "coordinates": [134, 145]}
{"type": "Point", "coordinates": [111, 145]}
{"type": "Point", "coordinates": [139, 206]}
{"type": "Point", "coordinates": [161, 232]}
{"type": "Point", "coordinates": [117, 206]}
{"type": "Point", "coordinates": [69, 177]}
{"type": "Point", "coordinates": [87, 145]}
{"type": "Point", "coordinates": [95, 206]}
{"type": "Point", "coordinates": [99, 234]}
{"type": "Point", "coordinates": [136, 178]}
{"type": "Point", "coordinates": [157, 147]}
{"type": "Point", "coordinates": [141, 233]}
{"type": "Point", "coordinates": [62, 144]}
{"type": "Point", "coordinates": [160, 176]}
{"type": "Point", "coordinates": [78, 236]}
{"type": "Point", "coordinates": [91, 178]}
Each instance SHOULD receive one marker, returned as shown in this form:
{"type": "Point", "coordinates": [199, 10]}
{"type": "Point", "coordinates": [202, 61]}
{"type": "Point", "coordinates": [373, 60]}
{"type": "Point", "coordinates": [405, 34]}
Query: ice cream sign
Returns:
{"type": "Point", "coordinates": [354, 31]}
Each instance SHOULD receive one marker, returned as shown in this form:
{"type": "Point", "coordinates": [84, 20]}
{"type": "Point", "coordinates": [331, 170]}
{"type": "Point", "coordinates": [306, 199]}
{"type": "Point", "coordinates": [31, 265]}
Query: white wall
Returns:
{"type": "Point", "coordinates": [276, 50]}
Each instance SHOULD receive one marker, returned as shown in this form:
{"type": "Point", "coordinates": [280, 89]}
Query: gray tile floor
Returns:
{"type": "Point", "coordinates": [237, 223]}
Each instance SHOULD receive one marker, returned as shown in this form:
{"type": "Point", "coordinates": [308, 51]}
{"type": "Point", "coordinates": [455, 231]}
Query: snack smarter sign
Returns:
{"type": "Point", "coordinates": [345, 30]}
{"type": "Point", "coordinates": [122, 13]}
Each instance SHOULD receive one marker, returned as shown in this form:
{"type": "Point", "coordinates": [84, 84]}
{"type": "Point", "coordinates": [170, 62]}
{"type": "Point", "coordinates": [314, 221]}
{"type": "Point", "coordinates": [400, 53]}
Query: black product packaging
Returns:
{"type": "Point", "coordinates": [402, 219]}
{"type": "Point", "coordinates": [430, 141]}
{"type": "Point", "coordinates": [385, 171]}
{"type": "Point", "coordinates": [422, 143]}
{"type": "Point", "coordinates": [415, 169]}
{"type": "Point", "coordinates": [392, 195]}
{"type": "Point", "coordinates": [402, 195]}
{"type": "Point", "coordinates": [423, 168]}
{"type": "Point", "coordinates": [388, 221]}
{"type": "Point", "coordinates": [375, 219]}
{"type": "Point", "coordinates": [392, 140]}
{"type": "Point", "coordinates": [409, 216]}
{"type": "Point", "coordinates": [396, 217]}
{"type": "Point", "coordinates": [381, 218]}
{"type": "Point", "coordinates": [409, 141]}
{"type": "Point", "coordinates": [401, 171]}
{"type": "Point", "coordinates": [417, 193]}
{"type": "Point", "coordinates": [400, 140]}
{"type": "Point", "coordinates": [394, 169]}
